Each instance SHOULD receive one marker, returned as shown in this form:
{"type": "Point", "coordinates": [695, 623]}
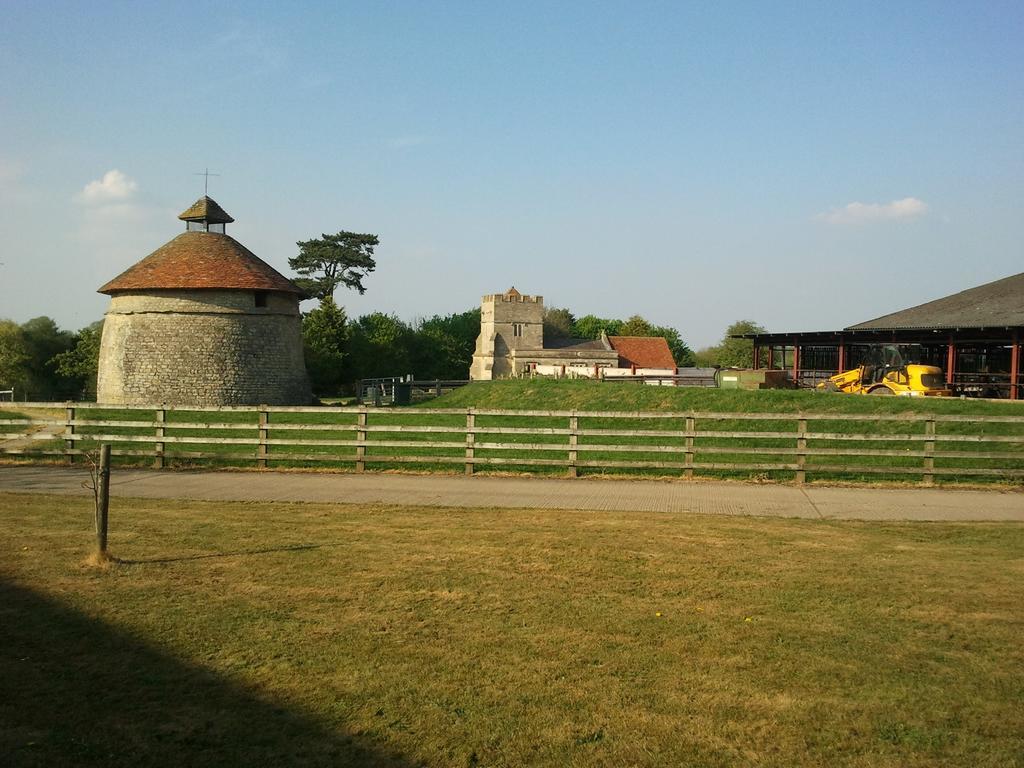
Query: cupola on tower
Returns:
{"type": "Point", "coordinates": [202, 321]}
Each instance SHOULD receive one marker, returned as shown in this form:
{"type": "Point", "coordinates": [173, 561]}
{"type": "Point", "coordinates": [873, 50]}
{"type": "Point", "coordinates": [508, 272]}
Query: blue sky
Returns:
{"type": "Point", "coordinates": [806, 165]}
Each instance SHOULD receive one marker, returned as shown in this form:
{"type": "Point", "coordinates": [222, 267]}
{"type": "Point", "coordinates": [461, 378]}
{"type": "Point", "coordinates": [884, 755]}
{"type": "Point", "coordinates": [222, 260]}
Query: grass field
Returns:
{"type": "Point", "coordinates": [584, 394]}
{"type": "Point", "coordinates": [275, 634]}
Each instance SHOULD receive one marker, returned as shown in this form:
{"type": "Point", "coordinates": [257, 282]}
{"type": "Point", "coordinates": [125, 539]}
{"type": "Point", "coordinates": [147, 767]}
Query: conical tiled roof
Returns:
{"type": "Point", "coordinates": [198, 260]}
{"type": "Point", "coordinates": [206, 209]}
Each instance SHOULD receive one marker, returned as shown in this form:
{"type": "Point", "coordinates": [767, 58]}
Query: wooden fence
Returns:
{"type": "Point", "coordinates": [924, 446]}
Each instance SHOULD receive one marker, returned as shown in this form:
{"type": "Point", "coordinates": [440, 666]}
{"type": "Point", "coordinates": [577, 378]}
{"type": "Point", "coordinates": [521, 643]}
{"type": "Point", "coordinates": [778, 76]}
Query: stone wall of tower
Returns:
{"type": "Point", "coordinates": [202, 348]}
{"type": "Point", "coordinates": [507, 322]}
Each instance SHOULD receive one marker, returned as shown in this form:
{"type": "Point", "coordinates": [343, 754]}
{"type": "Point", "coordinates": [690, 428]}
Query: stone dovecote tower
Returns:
{"type": "Point", "coordinates": [202, 321]}
{"type": "Point", "coordinates": [508, 321]}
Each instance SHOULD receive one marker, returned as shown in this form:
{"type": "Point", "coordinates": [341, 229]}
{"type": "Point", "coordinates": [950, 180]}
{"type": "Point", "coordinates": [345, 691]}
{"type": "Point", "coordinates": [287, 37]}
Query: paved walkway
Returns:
{"type": "Point", "coordinates": [535, 493]}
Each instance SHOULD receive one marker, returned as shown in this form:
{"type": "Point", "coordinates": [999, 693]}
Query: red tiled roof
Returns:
{"type": "Point", "coordinates": [643, 351]}
{"type": "Point", "coordinates": [201, 260]}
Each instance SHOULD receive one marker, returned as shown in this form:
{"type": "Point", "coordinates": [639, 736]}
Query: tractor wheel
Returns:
{"type": "Point", "coordinates": [830, 386]}
{"type": "Point", "coordinates": [880, 391]}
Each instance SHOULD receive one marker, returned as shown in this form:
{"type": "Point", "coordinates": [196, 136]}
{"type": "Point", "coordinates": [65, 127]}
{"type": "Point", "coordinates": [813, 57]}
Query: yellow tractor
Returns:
{"type": "Point", "coordinates": [887, 373]}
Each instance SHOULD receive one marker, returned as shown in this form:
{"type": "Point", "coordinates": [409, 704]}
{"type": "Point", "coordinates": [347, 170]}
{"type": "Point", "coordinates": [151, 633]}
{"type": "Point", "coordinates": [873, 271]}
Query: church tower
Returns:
{"type": "Point", "coordinates": [508, 321]}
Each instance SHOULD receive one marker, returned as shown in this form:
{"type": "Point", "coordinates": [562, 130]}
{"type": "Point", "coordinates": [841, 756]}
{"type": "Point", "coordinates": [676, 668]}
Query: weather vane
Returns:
{"type": "Point", "coordinates": [206, 179]}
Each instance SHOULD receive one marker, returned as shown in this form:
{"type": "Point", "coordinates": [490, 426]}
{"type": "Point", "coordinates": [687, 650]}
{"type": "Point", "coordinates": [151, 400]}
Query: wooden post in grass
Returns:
{"type": "Point", "coordinates": [102, 500]}
{"type": "Point", "coordinates": [263, 449]}
{"type": "Point", "coordinates": [691, 427]}
{"type": "Point", "coordinates": [929, 451]}
{"type": "Point", "coordinates": [470, 439]}
{"type": "Point", "coordinates": [801, 450]}
{"type": "Point", "coordinates": [158, 447]}
{"type": "Point", "coordinates": [574, 426]}
{"type": "Point", "coordinates": [361, 439]}
{"type": "Point", "coordinates": [69, 429]}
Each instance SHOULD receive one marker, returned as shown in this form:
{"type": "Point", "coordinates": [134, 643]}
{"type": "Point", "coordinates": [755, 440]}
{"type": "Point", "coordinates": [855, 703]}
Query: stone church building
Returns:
{"type": "Point", "coordinates": [511, 343]}
{"type": "Point", "coordinates": [202, 321]}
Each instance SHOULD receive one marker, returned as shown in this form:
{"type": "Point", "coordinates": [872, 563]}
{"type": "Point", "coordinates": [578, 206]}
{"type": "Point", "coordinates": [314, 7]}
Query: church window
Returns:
{"type": "Point", "coordinates": [517, 329]}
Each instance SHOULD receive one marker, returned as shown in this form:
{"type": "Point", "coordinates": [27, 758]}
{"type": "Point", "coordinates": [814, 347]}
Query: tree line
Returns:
{"type": "Point", "coordinates": [43, 362]}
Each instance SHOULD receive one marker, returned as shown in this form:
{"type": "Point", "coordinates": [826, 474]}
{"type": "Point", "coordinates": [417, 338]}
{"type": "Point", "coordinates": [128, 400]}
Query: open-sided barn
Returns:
{"type": "Point", "coordinates": [974, 336]}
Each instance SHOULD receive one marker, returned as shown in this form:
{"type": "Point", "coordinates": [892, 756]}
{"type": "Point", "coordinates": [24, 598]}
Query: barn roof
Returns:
{"type": "Point", "coordinates": [206, 209]}
{"type": "Point", "coordinates": [996, 304]}
{"type": "Point", "coordinates": [199, 260]}
{"type": "Point", "coordinates": [643, 351]}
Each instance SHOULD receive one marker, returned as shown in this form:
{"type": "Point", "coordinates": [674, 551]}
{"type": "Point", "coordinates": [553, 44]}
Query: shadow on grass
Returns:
{"type": "Point", "coordinates": [79, 692]}
{"type": "Point", "coordinates": [236, 553]}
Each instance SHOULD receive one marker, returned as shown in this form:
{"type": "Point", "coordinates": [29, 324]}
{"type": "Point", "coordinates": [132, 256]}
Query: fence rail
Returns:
{"type": "Point", "coordinates": [684, 443]}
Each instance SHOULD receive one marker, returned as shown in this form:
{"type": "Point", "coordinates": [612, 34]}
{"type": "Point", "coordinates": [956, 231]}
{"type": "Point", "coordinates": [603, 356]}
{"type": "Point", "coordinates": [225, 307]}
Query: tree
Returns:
{"type": "Point", "coordinates": [636, 326]}
{"type": "Point", "coordinates": [558, 323]}
{"type": "Point", "coordinates": [730, 352]}
{"type": "Point", "coordinates": [381, 345]}
{"type": "Point", "coordinates": [14, 355]}
{"type": "Point", "coordinates": [325, 338]}
{"type": "Point", "coordinates": [443, 346]}
{"type": "Point", "coordinates": [80, 364]}
{"type": "Point", "coordinates": [344, 258]}
{"type": "Point", "coordinates": [44, 340]}
{"type": "Point", "coordinates": [590, 327]}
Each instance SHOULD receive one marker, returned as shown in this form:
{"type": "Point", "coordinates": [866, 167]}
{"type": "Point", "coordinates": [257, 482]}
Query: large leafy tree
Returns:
{"type": "Point", "coordinates": [380, 345]}
{"type": "Point", "coordinates": [636, 326]}
{"type": "Point", "coordinates": [444, 345]}
{"type": "Point", "coordinates": [80, 364]}
{"type": "Point", "coordinates": [14, 355]}
{"type": "Point", "coordinates": [591, 326]}
{"type": "Point", "coordinates": [325, 263]}
{"type": "Point", "coordinates": [730, 352]}
{"type": "Point", "coordinates": [558, 323]}
{"type": "Point", "coordinates": [44, 340]}
{"type": "Point", "coordinates": [325, 335]}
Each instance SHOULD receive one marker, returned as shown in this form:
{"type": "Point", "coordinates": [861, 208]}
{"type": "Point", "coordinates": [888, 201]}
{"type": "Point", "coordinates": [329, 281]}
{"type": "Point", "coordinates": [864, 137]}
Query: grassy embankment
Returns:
{"type": "Point", "coordinates": [275, 634]}
{"type": "Point", "coordinates": [593, 396]}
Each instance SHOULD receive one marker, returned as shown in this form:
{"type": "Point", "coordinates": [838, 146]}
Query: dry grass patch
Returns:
{"type": "Point", "coordinates": [330, 634]}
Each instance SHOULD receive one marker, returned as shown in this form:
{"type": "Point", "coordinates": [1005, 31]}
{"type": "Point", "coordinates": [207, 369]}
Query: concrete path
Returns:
{"type": "Point", "coordinates": [535, 493]}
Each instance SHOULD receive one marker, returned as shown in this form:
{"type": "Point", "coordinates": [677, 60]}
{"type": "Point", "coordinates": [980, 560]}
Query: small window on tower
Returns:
{"type": "Point", "coordinates": [517, 329]}
{"type": "Point", "coordinates": [260, 298]}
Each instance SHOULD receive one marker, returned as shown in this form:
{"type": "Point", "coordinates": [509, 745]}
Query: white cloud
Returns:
{"type": "Point", "coordinates": [113, 187]}
{"type": "Point", "coordinates": [857, 213]}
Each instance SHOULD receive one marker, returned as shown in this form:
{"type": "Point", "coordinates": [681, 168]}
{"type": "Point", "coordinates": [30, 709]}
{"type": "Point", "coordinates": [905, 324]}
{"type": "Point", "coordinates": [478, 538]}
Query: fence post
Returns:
{"type": "Point", "coordinates": [929, 451]}
{"type": "Point", "coordinates": [158, 447]}
{"type": "Point", "coordinates": [574, 425]}
{"type": "Point", "coordinates": [470, 439]}
{"type": "Point", "coordinates": [263, 449]}
{"type": "Point", "coordinates": [691, 427]}
{"type": "Point", "coordinates": [102, 499]}
{"type": "Point", "coordinates": [801, 449]}
{"type": "Point", "coordinates": [361, 439]}
{"type": "Point", "coordinates": [69, 429]}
